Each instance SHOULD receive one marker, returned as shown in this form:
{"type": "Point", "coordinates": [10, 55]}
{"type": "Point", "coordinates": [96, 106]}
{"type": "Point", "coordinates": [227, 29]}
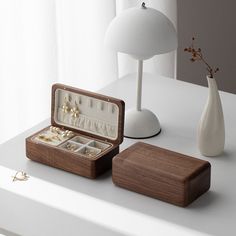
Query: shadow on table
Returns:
{"type": "Point", "coordinates": [40, 219]}
{"type": "Point", "coordinates": [103, 189]}
{"type": "Point", "coordinates": [7, 233]}
{"type": "Point", "coordinates": [207, 214]}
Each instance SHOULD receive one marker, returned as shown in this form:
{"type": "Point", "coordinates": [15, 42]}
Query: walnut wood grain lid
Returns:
{"type": "Point", "coordinates": [88, 113]}
{"type": "Point", "coordinates": [156, 160]}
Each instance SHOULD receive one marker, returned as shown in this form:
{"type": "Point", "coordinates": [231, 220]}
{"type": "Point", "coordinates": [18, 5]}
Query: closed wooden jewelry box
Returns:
{"type": "Point", "coordinates": [161, 174]}
{"type": "Point", "coordinates": [85, 133]}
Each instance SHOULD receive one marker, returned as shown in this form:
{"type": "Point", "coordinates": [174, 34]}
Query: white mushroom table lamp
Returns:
{"type": "Point", "coordinates": [142, 33]}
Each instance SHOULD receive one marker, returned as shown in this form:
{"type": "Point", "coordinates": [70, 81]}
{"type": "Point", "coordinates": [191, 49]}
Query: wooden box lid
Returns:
{"type": "Point", "coordinates": [91, 114]}
{"type": "Point", "coordinates": [161, 173]}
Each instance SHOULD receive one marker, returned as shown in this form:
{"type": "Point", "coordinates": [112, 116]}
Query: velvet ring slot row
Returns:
{"type": "Point", "coordinates": [85, 133]}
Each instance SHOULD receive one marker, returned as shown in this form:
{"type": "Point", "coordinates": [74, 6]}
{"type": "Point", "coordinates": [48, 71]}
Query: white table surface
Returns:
{"type": "Point", "coordinates": [54, 202]}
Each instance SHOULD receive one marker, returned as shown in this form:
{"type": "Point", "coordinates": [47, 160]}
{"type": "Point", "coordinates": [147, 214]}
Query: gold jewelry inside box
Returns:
{"type": "Point", "coordinates": [91, 153]}
{"type": "Point", "coordinates": [71, 142]}
{"type": "Point", "coordinates": [71, 147]}
{"type": "Point", "coordinates": [85, 113]}
{"type": "Point", "coordinates": [54, 136]}
{"type": "Point", "coordinates": [85, 133]}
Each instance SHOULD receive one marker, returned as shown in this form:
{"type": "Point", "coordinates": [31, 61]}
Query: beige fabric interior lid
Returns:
{"type": "Point", "coordinates": [88, 113]}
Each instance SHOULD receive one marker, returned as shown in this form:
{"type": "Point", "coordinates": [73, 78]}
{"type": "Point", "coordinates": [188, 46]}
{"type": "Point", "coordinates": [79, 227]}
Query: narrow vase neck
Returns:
{"type": "Point", "coordinates": [212, 83]}
{"type": "Point", "coordinates": [213, 90]}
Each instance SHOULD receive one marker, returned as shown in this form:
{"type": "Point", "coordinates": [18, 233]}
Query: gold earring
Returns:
{"type": "Point", "coordinates": [21, 176]}
{"type": "Point", "coordinates": [56, 137]}
{"type": "Point", "coordinates": [70, 147]}
{"type": "Point", "coordinates": [75, 111]}
{"type": "Point", "coordinates": [91, 153]}
{"type": "Point", "coordinates": [67, 134]}
{"type": "Point", "coordinates": [45, 138]}
{"type": "Point", "coordinates": [65, 107]}
{"type": "Point", "coordinates": [55, 130]}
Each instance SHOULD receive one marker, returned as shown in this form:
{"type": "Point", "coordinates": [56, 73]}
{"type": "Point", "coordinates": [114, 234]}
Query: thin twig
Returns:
{"type": "Point", "coordinates": [197, 55]}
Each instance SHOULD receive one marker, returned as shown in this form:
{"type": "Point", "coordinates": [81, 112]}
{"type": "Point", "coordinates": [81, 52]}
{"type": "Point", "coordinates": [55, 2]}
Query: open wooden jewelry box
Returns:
{"type": "Point", "coordinates": [86, 131]}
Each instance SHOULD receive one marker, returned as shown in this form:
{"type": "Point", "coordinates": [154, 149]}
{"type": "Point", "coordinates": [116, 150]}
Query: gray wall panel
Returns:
{"type": "Point", "coordinates": [213, 23]}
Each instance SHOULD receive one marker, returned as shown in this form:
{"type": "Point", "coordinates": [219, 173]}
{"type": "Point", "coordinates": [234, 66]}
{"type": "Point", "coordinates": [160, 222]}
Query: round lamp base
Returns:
{"type": "Point", "coordinates": [141, 124]}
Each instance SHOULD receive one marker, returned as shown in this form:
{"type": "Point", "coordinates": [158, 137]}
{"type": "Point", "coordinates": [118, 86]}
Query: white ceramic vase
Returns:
{"type": "Point", "coordinates": [211, 129]}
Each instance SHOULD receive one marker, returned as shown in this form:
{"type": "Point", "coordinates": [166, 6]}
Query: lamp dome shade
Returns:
{"type": "Point", "coordinates": [141, 32]}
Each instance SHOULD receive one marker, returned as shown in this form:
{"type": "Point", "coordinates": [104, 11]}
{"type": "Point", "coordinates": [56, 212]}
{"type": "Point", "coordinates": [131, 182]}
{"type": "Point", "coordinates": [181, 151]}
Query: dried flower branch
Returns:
{"type": "Point", "coordinates": [198, 56]}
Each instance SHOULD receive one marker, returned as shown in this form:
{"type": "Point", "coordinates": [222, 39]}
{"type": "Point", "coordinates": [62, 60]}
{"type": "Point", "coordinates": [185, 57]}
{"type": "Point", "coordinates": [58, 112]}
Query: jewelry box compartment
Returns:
{"type": "Point", "coordinates": [53, 136]}
{"type": "Point", "coordinates": [85, 133]}
{"type": "Point", "coordinates": [71, 142]}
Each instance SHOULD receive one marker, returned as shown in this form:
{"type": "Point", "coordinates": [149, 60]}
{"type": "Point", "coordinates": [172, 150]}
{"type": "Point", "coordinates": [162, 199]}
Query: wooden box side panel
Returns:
{"type": "Point", "coordinates": [104, 163]}
{"type": "Point", "coordinates": [59, 159]}
{"type": "Point", "coordinates": [198, 185]}
{"type": "Point", "coordinates": [138, 181]}
{"type": "Point", "coordinates": [68, 161]}
{"type": "Point", "coordinates": [131, 175]}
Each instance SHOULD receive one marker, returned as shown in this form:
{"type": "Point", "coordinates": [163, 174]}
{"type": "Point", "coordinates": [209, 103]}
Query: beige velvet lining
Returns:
{"type": "Point", "coordinates": [95, 116]}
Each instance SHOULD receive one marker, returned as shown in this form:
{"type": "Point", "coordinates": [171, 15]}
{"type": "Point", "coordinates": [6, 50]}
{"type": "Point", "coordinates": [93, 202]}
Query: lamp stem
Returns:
{"type": "Point", "coordinates": [139, 85]}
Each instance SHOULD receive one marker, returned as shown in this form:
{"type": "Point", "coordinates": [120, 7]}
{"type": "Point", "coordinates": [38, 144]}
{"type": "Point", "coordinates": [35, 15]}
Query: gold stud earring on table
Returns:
{"type": "Point", "coordinates": [21, 176]}
{"type": "Point", "coordinates": [75, 112]}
